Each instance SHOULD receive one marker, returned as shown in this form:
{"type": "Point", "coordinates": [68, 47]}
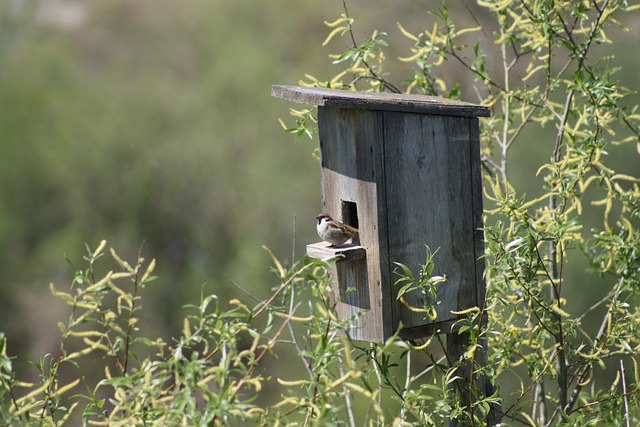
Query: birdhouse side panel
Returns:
{"type": "Point", "coordinates": [351, 164]}
{"type": "Point", "coordinates": [476, 190]}
{"type": "Point", "coordinates": [429, 201]}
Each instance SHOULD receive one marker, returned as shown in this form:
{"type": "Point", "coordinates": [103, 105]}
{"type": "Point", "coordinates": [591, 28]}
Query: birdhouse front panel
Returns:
{"type": "Point", "coordinates": [351, 153]}
{"type": "Point", "coordinates": [405, 171]}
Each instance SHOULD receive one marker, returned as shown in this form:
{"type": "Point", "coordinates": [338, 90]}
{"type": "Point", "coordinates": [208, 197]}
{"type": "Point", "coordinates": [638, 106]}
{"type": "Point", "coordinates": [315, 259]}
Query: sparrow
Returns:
{"type": "Point", "coordinates": [334, 232]}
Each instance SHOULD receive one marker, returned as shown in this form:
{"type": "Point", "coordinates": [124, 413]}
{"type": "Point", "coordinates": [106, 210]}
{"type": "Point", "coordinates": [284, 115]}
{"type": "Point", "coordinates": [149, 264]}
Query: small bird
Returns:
{"type": "Point", "coordinates": [334, 232]}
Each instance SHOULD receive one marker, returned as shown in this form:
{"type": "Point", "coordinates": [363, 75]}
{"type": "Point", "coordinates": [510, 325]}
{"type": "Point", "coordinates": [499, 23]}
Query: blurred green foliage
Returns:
{"type": "Point", "coordinates": [149, 121]}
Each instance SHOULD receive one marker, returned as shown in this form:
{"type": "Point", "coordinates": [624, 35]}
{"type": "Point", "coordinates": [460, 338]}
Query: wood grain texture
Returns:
{"type": "Point", "coordinates": [404, 169]}
{"type": "Point", "coordinates": [378, 101]}
{"type": "Point", "coordinates": [428, 187]}
{"type": "Point", "coordinates": [477, 209]}
{"type": "Point", "coordinates": [351, 158]}
{"type": "Point", "coordinates": [354, 300]}
{"type": "Point", "coordinates": [345, 252]}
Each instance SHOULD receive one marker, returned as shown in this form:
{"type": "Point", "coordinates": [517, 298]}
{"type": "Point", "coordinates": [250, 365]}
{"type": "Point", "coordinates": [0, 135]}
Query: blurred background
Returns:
{"type": "Point", "coordinates": [150, 123]}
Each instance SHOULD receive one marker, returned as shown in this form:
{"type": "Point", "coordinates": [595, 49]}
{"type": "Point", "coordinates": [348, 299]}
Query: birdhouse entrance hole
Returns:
{"type": "Point", "coordinates": [405, 171]}
{"type": "Point", "coordinates": [349, 211]}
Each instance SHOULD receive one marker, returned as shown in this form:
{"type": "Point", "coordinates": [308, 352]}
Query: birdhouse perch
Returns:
{"type": "Point", "coordinates": [405, 171]}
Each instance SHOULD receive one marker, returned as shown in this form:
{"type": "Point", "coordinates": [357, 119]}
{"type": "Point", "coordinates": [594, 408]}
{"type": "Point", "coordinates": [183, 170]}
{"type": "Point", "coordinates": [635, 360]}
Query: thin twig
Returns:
{"type": "Point", "coordinates": [584, 371]}
{"type": "Point", "coordinates": [294, 338]}
{"type": "Point", "coordinates": [314, 396]}
{"type": "Point", "coordinates": [347, 399]}
{"type": "Point", "coordinates": [374, 75]}
{"type": "Point", "coordinates": [407, 383]}
{"type": "Point", "coordinates": [246, 292]}
{"type": "Point", "coordinates": [624, 394]}
{"type": "Point", "coordinates": [132, 311]}
{"type": "Point", "coordinates": [535, 381]}
{"type": "Point", "coordinates": [256, 362]}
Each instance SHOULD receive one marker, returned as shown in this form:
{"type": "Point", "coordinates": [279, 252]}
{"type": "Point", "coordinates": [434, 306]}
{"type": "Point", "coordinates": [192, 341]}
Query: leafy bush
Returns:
{"type": "Point", "coordinates": [555, 99]}
{"type": "Point", "coordinates": [213, 373]}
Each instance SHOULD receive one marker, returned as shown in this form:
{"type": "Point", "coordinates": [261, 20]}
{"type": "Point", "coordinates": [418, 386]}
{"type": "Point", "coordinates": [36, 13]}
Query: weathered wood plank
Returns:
{"type": "Point", "coordinates": [428, 189]}
{"type": "Point", "coordinates": [379, 101]}
{"type": "Point", "coordinates": [352, 162]}
{"type": "Point", "coordinates": [354, 300]}
{"type": "Point", "coordinates": [346, 252]}
{"type": "Point", "coordinates": [477, 209]}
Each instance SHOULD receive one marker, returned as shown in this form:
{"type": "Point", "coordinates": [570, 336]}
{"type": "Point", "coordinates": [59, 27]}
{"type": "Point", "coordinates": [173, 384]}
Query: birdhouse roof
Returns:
{"type": "Point", "coordinates": [409, 103]}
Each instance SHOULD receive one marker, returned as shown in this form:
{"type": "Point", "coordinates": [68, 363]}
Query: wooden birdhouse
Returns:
{"type": "Point", "coordinates": [405, 171]}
